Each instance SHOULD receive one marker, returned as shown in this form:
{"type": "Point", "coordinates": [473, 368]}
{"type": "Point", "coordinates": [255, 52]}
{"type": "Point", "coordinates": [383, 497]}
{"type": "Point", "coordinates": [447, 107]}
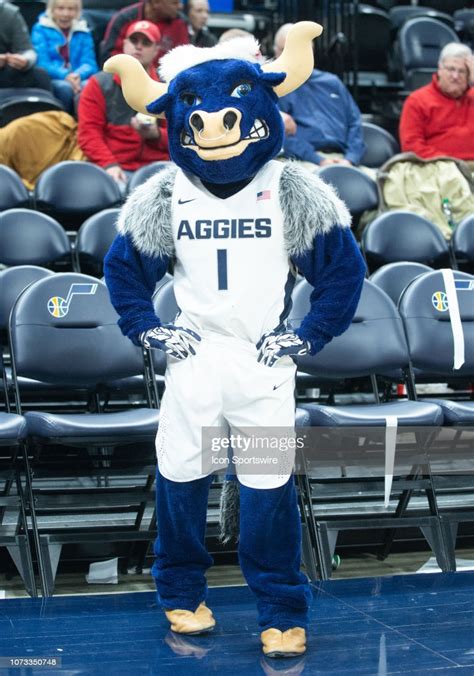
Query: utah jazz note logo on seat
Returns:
{"type": "Point", "coordinates": [59, 307]}
{"type": "Point", "coordinates": [439, 299]}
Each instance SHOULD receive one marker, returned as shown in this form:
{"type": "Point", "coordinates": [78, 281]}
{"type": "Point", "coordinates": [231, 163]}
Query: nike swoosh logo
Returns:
{"type": "Point", "coordinates": [275, 387]}
{"type": "Point", "coordinates": [180, 201]}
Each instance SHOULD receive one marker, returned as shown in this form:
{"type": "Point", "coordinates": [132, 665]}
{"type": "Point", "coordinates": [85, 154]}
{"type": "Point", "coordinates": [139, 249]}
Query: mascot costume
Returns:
{"type": "Point", "coordinates": [236, 226]}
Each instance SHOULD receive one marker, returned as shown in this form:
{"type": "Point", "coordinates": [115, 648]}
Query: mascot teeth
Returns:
{"type": "Point", "coordinates": [259, 130]}
{"type": "Point", "coordinates": [187, 140]}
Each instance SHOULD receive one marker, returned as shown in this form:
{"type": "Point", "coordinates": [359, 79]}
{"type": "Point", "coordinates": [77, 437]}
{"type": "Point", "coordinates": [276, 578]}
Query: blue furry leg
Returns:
{"type": "Point", "coordinates": [181, 556]}
{"type": "Point", "coordinates": [270, 555]}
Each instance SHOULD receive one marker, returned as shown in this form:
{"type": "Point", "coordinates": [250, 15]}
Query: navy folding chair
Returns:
{"type": "Point", "coordinates": [421, 40]}
{"type": "Point", "coordinates": [438, 315]}
{"type": "Point", "coordinates": [12, 190]}
{"type": "Point", "coordinates": [358, 190]}
{"type": "Point", "coordinates": [462, 244]}
{"type": "Point", "coordinates": [394, 277]}
{"type": "Point", "coordinates": [381, 145]}
{"type": "Point", "coordinates": [404, 236]}
{"type": "Point", "coordinates": [30, 238]}
{"type": "Point", "coordinates": [73, 191]}
{"type": "Point", "coordinates": [14, 536]}
{"type": "Point", "coordinates": [93, 241]}
{"type": "Point", "coordinates": [441, 339]}
{"type": "Point", "coordinates": [374, 345]}
{"type": "Point", "coordinates": [144, 173]}
{"type": "Point", "coordinates": [63, 330]}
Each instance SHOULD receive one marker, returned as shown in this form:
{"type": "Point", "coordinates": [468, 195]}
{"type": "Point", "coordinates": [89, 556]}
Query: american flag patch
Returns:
{"type": "Point", "coordinates": [264, 195]}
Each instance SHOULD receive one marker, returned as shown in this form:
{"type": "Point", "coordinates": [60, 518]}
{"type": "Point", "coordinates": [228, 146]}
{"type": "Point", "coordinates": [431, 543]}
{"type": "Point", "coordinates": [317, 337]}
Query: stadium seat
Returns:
{"type": "Point", "coordinates": [374, 344]}
{"type": "Point", "coordinates": [12, 282]}
{"type": "Point", "coordinates": [421, 40]}
{"type": "Point", "coordinates": [12, 190]}
{"type": "Point", "coordinates": [462, 244]}
{"type": "Point", "coordinates": [358, 190]}
{"type": "Point", "coordinates": [430, 323]}
{"type": "Point", "coordinates": [73, 191]}
{"type": "Point", "coordinates": [394, 277]}
{"type": "Point", "coordinates": [93, 241]}
{"type": "Point", "coordinates": [144, 173]}
{"type": "Point", "coordinates": [18, 102]}
{"type": "Point", "coordinates": [63, 330]}
{"type": "Point", "coordinates": [372, 39]}
{"type": "Point", "coordinates": [404, 236]}
{"type": "Point", "coordinates": [403, 13]}
{"type": "Point", "coordinates": [14, 536]}
{"type": "Point", "coordinates": [381, 145]}
{"type": "Point", "coordinates": [30, 238]}
{"type": "Point", "coordinates": [448, 6]}
{"type": "Point", "coordinates": [464, 25]}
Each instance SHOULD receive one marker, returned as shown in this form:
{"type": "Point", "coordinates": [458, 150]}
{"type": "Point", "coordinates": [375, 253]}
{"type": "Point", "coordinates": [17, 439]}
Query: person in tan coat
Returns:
{"type": "Point", "coordinates": [31, 144]}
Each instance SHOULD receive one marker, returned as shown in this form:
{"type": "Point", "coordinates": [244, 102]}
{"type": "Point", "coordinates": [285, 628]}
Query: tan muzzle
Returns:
{"type": "Point", "coordinates": [213, 130]}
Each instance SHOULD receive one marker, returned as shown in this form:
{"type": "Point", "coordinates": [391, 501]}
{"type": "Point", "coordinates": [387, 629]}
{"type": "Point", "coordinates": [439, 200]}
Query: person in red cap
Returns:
{"type": "Point", "coordinates": [110, 133]}
{"type": "Point", "coordinates": [163, 13]}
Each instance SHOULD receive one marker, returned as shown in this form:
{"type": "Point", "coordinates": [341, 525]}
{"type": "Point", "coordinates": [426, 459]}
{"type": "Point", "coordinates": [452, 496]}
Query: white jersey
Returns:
{"type": "Point", "coordinates": [233, 275]}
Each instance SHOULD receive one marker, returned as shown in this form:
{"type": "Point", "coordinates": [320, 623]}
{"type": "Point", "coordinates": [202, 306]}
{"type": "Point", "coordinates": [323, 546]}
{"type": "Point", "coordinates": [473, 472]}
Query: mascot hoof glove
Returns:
{"type": "Point", "coordinates": [187, 622]}
{"type": "Point", "coordinates": [289, 643]}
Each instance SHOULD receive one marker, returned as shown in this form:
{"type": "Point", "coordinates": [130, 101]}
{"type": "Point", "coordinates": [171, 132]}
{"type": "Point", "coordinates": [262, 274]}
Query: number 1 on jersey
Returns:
{"type": "Point", "coordinates": [222, 269]}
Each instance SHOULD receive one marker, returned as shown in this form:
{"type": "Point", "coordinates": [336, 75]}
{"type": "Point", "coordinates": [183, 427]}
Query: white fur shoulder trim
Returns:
{"type": "Point", "coordinates": [146, 215]}
{"type": "Point", "coordinates": [310, 207]}
{"type": "Point", "coordinates": [186, 56]}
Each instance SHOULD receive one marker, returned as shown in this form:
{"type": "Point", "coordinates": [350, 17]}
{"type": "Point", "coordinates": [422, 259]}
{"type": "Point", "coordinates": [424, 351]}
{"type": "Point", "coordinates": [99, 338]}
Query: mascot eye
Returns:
{"type": "Point", "coordinates": [242, 90]}
{"type": "Point", "coordinates": [190, 99]}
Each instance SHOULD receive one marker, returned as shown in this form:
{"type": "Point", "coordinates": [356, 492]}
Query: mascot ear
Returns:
{"type": "Point", "coordinates": [158, 106]}
{"type": "Point", "coordinates": [272, 79]}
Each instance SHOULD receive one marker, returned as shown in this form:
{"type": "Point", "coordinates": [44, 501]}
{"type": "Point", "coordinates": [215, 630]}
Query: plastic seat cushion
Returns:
{"type": "Point", "coordinates": [408, 413]}
{"type": "Point", "coordinates": [135, 422]}
{"type": "Point", "coordinates": [12, 427]}
{"type": "Point", "coordinates": [302, 418]}
{"type": "Point", "coordinates": [455, 412]}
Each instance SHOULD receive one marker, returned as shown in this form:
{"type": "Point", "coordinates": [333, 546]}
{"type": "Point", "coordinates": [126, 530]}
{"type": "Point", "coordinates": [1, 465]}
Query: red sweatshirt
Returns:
{"type": "Point", "coordinates": [104, 131]}
{"type": "Point", "coordinates": [433, 124]}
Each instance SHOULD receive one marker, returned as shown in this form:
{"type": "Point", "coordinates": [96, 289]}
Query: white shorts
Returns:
{"type": "Point", "coordinates": [223, 386]}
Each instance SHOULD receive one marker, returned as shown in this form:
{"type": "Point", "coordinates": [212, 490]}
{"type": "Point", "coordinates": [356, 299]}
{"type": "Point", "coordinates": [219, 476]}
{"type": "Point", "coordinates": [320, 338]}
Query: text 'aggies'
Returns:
{"type": "Point", "coordinates": [225, 228]}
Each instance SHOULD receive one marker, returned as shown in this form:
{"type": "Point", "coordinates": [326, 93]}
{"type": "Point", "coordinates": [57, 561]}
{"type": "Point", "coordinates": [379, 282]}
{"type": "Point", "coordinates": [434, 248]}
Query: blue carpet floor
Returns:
{"type": "Point", "coordinates": [411, 624]}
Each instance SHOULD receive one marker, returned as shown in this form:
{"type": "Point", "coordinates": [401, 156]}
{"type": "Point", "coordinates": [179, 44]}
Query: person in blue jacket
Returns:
{"type": "Point", "coordinates": [323, 124]}
{"type": "Point", "coordinates": [65, 49]}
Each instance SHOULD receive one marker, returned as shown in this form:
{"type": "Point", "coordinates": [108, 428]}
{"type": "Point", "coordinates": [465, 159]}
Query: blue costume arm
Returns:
{"type": "Point", "coordinates": [336, 270]}
{"type": "Point", "coordinates": [131, 279]}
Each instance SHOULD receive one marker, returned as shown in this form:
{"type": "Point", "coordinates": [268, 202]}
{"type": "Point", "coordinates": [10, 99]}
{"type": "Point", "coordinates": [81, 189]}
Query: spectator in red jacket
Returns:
{"type": "Point", "coordinates": [163, 13]}
{"type": "Point", "coordinates": [110, 133]}
{"type": "Point", "coordinates": [438, 119]}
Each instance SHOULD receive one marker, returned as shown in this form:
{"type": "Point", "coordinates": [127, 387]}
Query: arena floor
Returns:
{"type": "Point", "coordinates": [420, 624]}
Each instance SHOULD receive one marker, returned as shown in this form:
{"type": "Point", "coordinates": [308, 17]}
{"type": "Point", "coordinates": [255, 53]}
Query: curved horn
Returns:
{"type": "Point", "coordinates": [139, 89]}
{"type": "Point", "coordinates": [297, 59]}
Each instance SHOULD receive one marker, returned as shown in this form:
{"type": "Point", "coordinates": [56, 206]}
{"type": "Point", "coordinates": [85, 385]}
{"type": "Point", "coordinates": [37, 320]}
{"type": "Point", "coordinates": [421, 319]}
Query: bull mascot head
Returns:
{"type": "Point", "coordinates": [219, 102]}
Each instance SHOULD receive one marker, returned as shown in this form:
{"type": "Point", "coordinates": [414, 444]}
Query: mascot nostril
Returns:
{"type": "Point", "coordinates": [196, 122]}
{"type": "Point", "coordinates": [230, 118]}
{"type": "Point", "coordinates": [236, 226]}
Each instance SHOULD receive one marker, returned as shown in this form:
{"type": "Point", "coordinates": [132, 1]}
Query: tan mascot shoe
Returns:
{"type": "Point", "coordinates": [289, 643]}
{"type": "Point", "coordinates": [187, 622]}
